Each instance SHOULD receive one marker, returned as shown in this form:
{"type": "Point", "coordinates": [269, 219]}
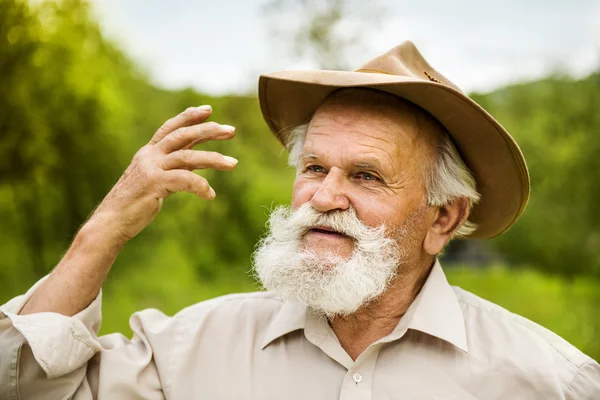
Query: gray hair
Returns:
{"type": "Point", "coordinates": [447, 178]}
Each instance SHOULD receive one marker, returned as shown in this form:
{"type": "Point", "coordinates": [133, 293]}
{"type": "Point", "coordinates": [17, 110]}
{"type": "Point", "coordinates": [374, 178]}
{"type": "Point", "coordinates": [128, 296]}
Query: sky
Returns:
{"type": "Point", "coordinates": [221, 47]}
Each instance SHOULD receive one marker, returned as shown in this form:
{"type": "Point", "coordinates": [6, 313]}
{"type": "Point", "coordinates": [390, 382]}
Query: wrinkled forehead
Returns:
{"type": "Point", "coordinates": [377, 116]}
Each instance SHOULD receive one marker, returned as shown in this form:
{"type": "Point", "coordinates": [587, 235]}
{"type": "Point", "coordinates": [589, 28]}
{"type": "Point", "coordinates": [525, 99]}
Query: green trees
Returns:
{"type": "Point", "coordinates": [59, 144]}
{"type": "Point", "coordinates": [73, 111]}
{"type": "Point", "coordinates": [556, 122]}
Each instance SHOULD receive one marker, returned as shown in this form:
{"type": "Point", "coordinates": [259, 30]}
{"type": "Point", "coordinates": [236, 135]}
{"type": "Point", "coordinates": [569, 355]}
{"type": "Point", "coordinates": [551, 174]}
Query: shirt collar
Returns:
{"type": "Point", "coordinates": [290, 317]}
{"type": "Point", "coordinates": [435, 311]}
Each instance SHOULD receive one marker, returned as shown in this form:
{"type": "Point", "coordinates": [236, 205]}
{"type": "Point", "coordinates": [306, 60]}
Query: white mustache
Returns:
{"type": "Point", "coordinates": [305, 218]}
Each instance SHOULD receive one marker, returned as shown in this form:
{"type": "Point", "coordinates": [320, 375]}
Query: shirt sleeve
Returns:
{"type": "Point", "coordinates": [586, 384]}
{"type": "Point", "coordinates": [49, 355]}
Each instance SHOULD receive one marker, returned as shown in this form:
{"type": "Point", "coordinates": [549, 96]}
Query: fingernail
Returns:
{"type": "Point", "coordinates": [228, 127]}
{"type": "Point", "coordinates": [230, 160]}
{"type": "Point", "coordinates": [212, 193]}
{"type": "Point", "coordinates": [205, 108]}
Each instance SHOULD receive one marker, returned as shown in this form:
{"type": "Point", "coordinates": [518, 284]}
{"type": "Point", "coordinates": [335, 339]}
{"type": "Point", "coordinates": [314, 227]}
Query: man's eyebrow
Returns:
{"type": "Point", "coordinates": [370, 164]}
{"type": "Point", "coordinates": [310, 156]}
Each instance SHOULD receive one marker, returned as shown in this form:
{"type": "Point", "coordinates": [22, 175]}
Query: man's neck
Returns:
{"type": "Point", "coordinates": [378, 319]}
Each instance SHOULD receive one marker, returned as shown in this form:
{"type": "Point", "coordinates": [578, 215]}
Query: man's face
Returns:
{"type": "Point", "coordinates": [368, 156]}
{"type": "Point", "coordinates": [359, 212]}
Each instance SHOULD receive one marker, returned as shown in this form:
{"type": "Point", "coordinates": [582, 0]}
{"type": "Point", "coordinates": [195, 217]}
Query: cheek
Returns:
{"type": "Point", "coordinates": [374, 212]}
{"type": "Point", "coordinates": [391, 211]}
{"type": "Point", "coordinates": [302, 192]}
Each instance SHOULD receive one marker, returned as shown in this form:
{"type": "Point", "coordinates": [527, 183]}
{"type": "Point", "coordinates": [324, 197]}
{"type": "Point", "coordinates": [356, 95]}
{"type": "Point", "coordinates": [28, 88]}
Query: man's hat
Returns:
{"type": "Point", "coordinates": [290, 98]}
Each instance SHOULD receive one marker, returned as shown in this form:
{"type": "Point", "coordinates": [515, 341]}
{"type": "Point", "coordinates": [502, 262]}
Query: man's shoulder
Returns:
{"type": "Point", "coordinates": [482, 317]}
{"type": "Point", "coordinates": [258, 306]}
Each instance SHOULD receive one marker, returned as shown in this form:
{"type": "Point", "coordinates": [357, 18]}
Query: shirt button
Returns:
{"type": "Point", "coordinates": [357, 378]}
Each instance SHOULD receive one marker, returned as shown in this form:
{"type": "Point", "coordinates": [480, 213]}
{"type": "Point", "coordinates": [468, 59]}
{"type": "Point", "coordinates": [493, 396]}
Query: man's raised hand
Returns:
{"type": "Point", "coordinates": [162, 167]}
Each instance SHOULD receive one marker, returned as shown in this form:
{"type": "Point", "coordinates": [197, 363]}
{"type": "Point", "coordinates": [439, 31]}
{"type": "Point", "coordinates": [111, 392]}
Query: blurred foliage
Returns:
{"type": "Point", "coordinates": [75, 109]}
{"type": "Point", "coordinates": [77, 112]}
{"type": "Point", "coordinates": [556, 123]}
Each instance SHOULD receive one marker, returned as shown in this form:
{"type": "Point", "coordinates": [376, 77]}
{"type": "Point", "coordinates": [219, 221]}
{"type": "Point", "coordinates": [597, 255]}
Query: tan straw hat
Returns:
{"type": "Point", "coordinates": [290, 98]}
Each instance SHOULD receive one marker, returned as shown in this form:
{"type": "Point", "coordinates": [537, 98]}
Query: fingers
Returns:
{"type": "Point", "coordinates": [179, 180]}
{"type": "Point", "coordinates": [196, 159]}
{"type": "Point", "coordinates": [190, 116]}
{"type": "Point", "coordinates": [170, 150]}
{"type": "Point", "coordinates": [187, 137]}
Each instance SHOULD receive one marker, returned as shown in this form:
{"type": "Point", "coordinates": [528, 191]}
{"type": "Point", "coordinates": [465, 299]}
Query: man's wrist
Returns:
{"type": "Point", "coordinates": [100, 232]}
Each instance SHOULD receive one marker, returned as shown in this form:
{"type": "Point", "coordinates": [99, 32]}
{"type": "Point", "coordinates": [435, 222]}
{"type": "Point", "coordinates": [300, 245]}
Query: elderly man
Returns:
{"type": "Point", "coordinates": [392, 162]}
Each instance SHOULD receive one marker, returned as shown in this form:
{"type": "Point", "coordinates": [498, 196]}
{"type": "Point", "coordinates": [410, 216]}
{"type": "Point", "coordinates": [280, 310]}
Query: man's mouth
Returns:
{"type": "Point", "coordinates": [325, 230]}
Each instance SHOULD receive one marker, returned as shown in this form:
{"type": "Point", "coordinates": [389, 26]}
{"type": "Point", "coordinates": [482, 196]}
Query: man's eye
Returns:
{"type": "Point", "coordinates": [315, 168]}
{"type": "Point", "coordinates": [367, 176]}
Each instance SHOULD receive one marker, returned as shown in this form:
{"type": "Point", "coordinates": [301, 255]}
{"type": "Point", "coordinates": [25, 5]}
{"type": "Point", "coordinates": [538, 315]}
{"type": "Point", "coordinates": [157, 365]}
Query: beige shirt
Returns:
{"type": "Point", "coordinates": [449, 345]}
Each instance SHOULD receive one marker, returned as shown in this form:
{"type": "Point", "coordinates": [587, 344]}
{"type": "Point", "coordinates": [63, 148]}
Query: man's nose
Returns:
{"type": "Point", "coordinates": [330, 195]}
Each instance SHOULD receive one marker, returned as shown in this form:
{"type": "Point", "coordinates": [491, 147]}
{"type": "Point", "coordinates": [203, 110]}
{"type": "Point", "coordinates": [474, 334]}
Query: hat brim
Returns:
{"type": "Point", "coordinates": [290, 98]}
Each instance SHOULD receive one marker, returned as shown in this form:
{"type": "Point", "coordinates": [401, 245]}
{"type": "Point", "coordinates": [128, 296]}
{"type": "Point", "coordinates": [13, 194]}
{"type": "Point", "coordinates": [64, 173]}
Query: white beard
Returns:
{"type": "Point", "coordinates": [329, 284]}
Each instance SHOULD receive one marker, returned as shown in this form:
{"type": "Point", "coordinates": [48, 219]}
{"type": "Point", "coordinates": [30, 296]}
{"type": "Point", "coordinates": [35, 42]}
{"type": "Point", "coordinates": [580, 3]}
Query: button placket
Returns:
{"type": "Point", "coordinates": [358, 383]}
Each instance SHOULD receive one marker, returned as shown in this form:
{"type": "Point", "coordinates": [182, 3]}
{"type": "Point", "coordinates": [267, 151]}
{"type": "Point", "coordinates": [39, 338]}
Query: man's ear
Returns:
{"type": "Point", "coordinates": [447, 220]}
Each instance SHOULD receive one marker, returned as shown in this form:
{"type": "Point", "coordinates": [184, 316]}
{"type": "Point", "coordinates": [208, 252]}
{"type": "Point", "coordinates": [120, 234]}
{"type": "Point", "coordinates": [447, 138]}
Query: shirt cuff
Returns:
{"type": "Point", "coordinates": [59, 344]}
